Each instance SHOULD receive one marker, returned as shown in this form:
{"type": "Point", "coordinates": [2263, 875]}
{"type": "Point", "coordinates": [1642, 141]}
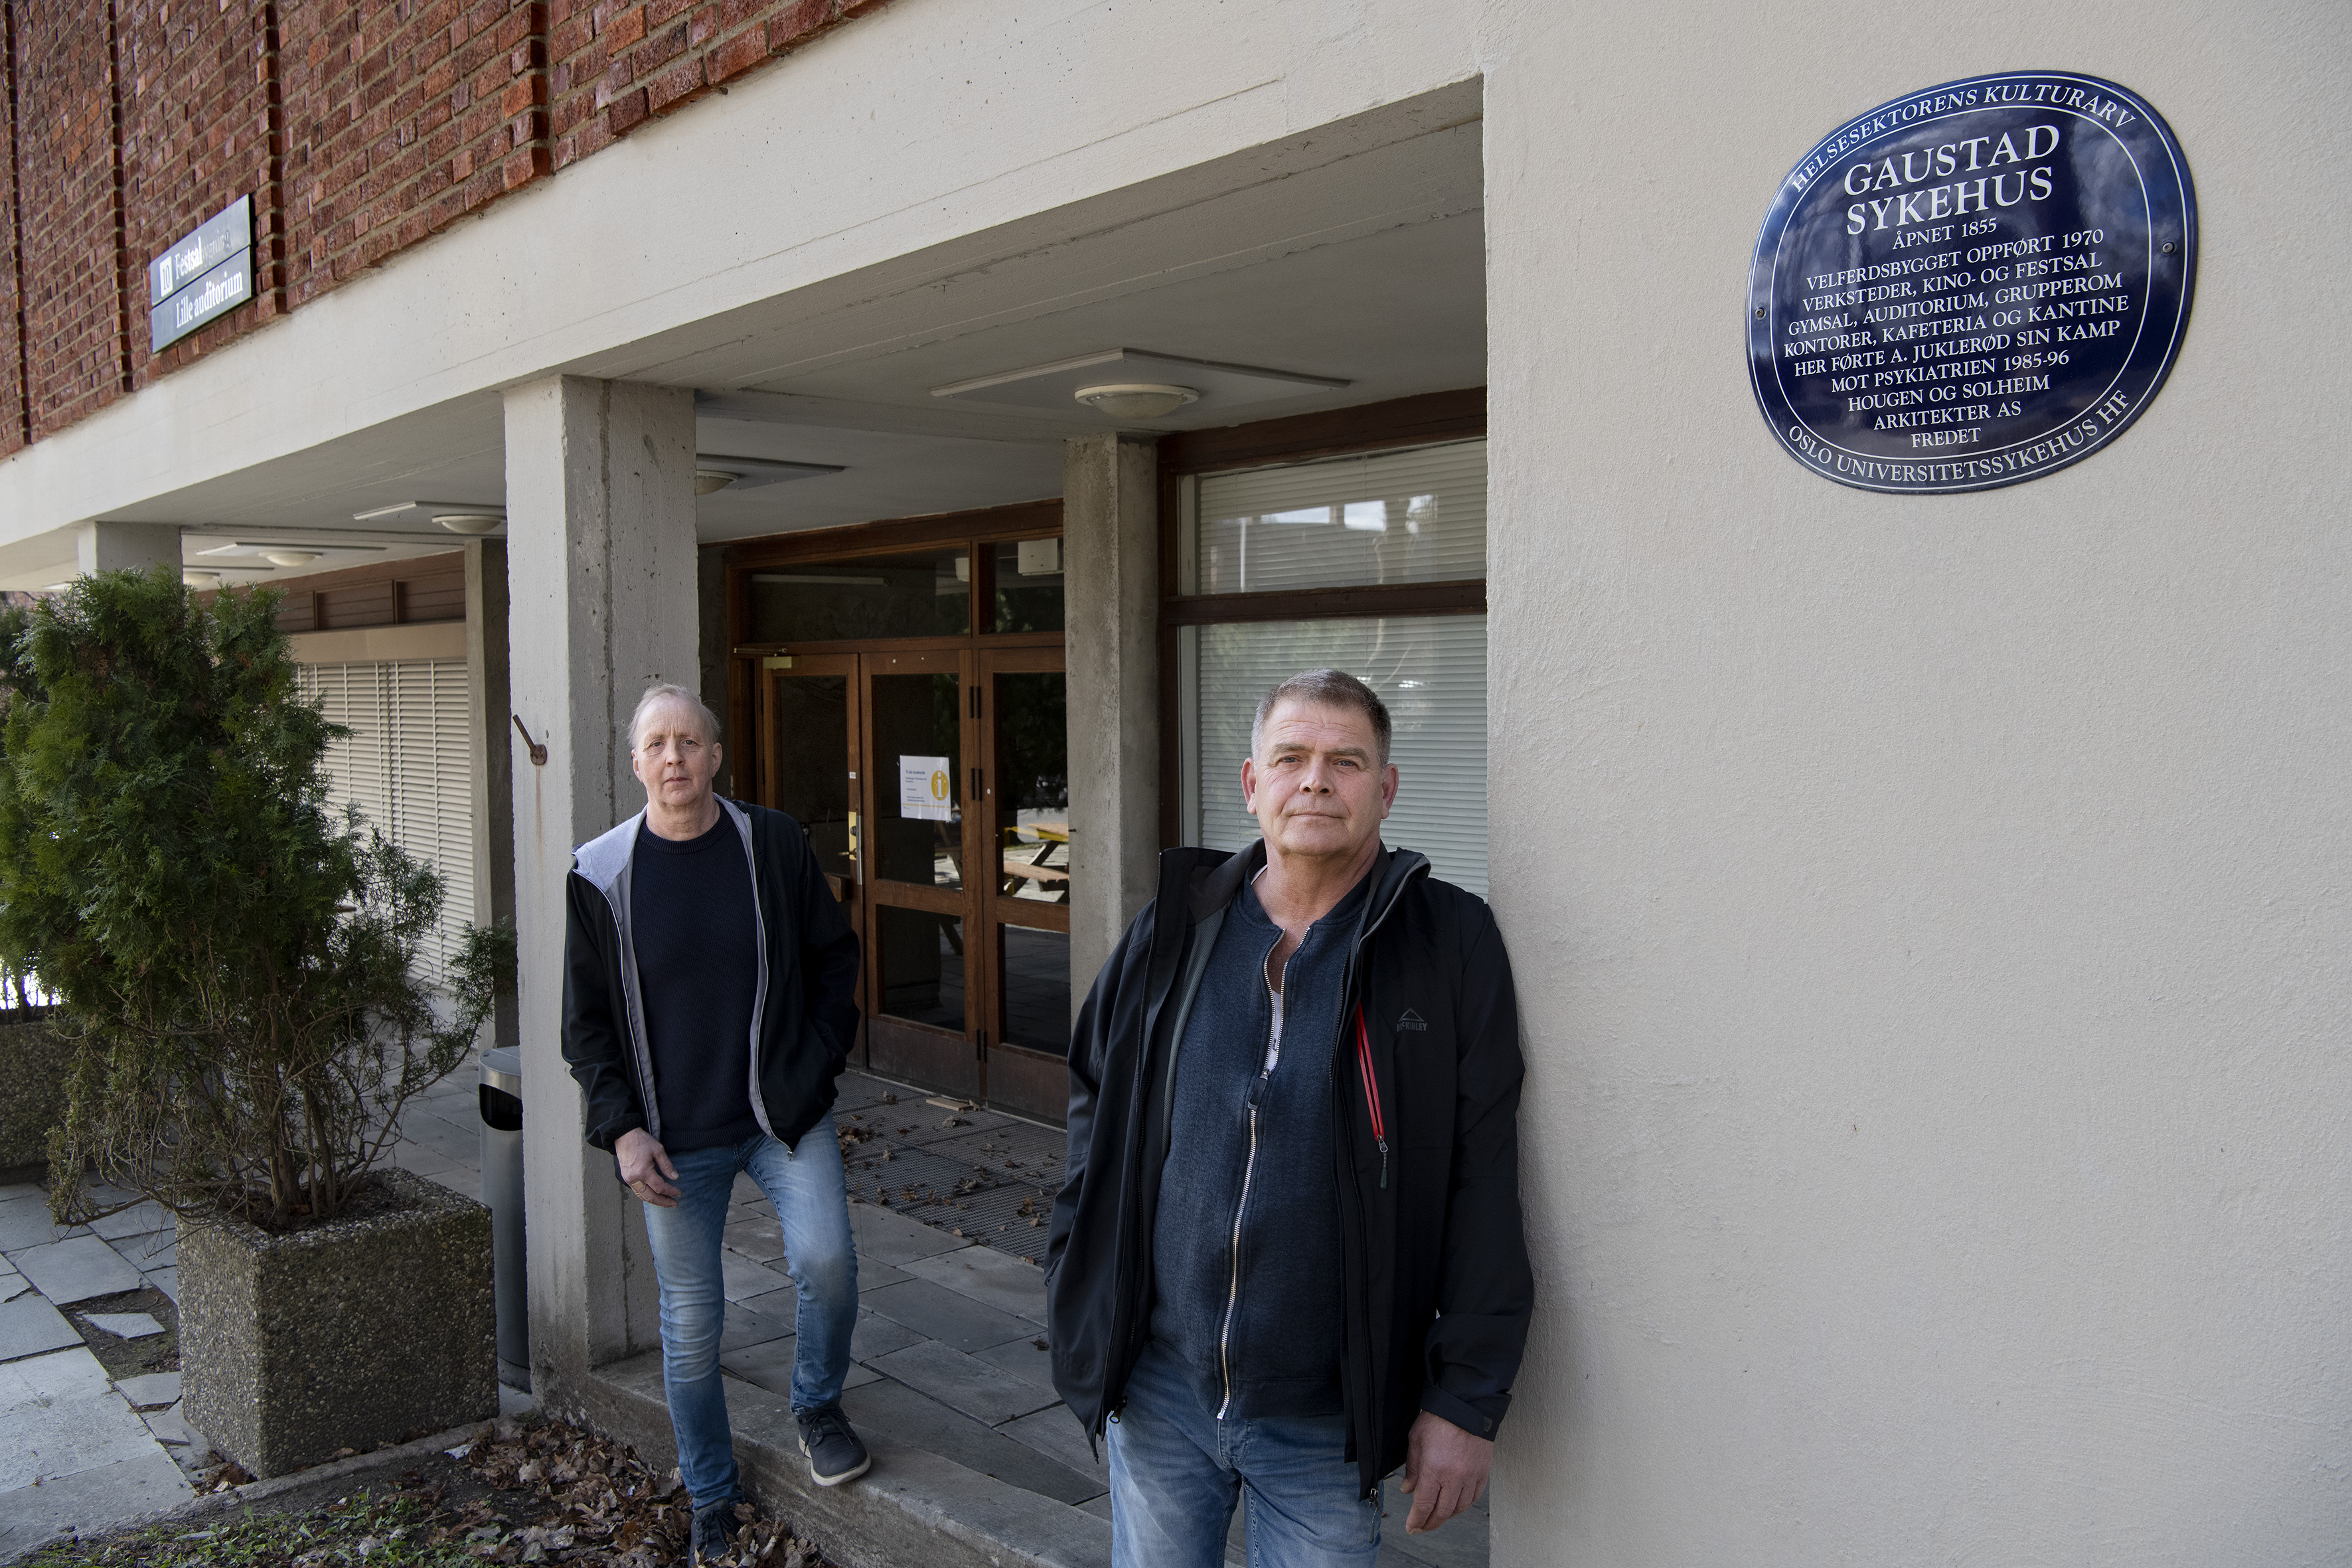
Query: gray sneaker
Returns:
{"type": "Point", "coordinates": [714, 1532]}
{"type": "Point", "coordinates": [834, 1454]}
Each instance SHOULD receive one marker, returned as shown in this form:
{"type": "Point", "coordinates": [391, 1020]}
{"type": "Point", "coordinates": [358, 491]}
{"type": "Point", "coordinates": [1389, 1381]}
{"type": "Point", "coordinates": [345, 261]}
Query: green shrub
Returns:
{"type": "Point", "coordinates": [241, 967]}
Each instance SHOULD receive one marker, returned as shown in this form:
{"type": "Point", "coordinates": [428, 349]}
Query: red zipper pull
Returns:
{"type": "Point", "coordinates": [1372, 1091]}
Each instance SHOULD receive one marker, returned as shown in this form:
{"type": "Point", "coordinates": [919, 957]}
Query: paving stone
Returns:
{"type": "Point", "coordinates": [13, 1191]}
{"type": "Point", "coordinates": [875, 1336]}
{"type": "Point", "coordinates": [12, 1284]}
{"type": "Point", "coordinates": [28, 1326]}
{"type": "Point", "coordinates": [771, 1367]}
{"type": "Point", "coordinates": [873, 1275]}
{"type": "Point", "coordinates": [124, 1325]}
{"type": "Point", "coordinates": [984, 1274]}
{"type": "Point", "coordinates": [1027, 1358]}
{"type": "Point", "coordinates": [898, 1411]}
{"type": "Point", "coordinates": [150, 1391]}
{"type": "Point", "coordinates": [160, 1250]}
{"type": "Point", "coordinates": [893, 1239]}
{"type": "Point", "coordinates": [89, 1501]}
{"type": "Point", "coordinates": [741, 1279]}
{"type": "Point", "coordinates": [61, 1417]}
{"type": "Point", "coordinates": [417, 1160]}
{"type": "Point", "coordinates": [1056, 1433]}
{"type": "Point", "coordinates": [758, 1237]}
{"type": "Point", "coordinates": [746, 1327]}
{"type": "Point", "coordinates": [25, 1223]}
{"type": "Point", "coordinates": [167, 1280]}
{"type": "Point", "coordinates": [170, 1430]}
{"type": "Point", "coordinates": [139, 1219]}
{"type": "Point", "coordinates": [76, 1269]}
{"type": "Point", "coordinates": [937, 1312]}
{"type": "Point", "coordinates": [963, 1382]}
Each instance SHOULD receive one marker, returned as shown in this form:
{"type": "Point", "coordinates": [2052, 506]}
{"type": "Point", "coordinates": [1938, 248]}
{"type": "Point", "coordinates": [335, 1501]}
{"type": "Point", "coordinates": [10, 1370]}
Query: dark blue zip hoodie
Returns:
{"type": "Point", "coordinates": [1246, 1263]}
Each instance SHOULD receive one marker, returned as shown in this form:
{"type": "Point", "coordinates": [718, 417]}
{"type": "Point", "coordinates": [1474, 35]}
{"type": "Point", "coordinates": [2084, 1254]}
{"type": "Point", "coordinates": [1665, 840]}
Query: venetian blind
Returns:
{"type": "Point", "coordinates": [1412, 516]}
{"type": "Point", "coordinates": [1431, 670]}
{"type": "Point", "coordinates": [407, 764]}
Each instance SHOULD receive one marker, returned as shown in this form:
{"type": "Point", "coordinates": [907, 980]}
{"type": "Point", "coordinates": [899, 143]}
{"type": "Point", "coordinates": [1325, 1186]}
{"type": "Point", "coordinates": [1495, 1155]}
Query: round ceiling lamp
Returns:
{"type": "Point", "coordinates": [1137, 399]}
{"type": "Point", "coordinates": [706, 480]}
{"type": "Point", "coordinates": [289, 557]}
{"type": "Point", "coordinates": [470, 523]}
{"type": "Point", "coordinates": [201, 579]}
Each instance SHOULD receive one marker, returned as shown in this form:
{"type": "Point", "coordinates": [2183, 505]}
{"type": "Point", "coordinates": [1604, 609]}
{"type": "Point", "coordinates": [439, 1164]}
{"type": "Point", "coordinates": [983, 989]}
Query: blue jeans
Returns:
{"type": "Point", "coordinates": [1176, 1472]}
{"type": "Point", "coordinates": [812, 1200]}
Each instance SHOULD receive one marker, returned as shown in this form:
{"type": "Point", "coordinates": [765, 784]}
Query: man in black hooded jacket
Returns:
{"type": "Point", "coordinates": [1289, 1256]}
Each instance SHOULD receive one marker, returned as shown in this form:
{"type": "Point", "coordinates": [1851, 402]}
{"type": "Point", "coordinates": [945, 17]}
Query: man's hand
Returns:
{"type": "Point", "coordinates": [1444, 1469]}
{"type": "Point", "coordinates": [644, 1165]}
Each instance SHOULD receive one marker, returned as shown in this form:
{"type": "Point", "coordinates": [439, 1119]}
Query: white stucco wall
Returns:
{"type": "Point", "coordinates": [1931, 913]}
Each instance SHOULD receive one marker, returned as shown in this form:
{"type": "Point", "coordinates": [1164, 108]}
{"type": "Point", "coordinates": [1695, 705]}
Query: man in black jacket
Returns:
{"type": "Point", "coordinates": [709, 996]}
{"type": "Point", "coordinates": [1287, 1257]}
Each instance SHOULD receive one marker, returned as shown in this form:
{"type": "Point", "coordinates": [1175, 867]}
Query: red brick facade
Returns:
{"type": "Point", "coordinates": [357, 127]}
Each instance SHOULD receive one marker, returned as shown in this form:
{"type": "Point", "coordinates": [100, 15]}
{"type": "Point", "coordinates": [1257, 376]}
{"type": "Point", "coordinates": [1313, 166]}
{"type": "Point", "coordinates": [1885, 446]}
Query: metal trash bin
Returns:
{"type": "Point", "coordinates": [501, 1096]}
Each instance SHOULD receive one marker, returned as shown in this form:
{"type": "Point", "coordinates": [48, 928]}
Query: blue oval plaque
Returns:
{"type": "Point", "coordinates": [1973, 284]}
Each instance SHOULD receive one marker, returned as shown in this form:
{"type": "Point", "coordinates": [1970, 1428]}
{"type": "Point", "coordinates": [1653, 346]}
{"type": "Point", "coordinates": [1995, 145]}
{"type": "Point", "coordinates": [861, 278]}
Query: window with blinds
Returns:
{"type": "Point", "coordinates": [407, 764]}
{"type": "Point", "coordinates": [1412, 516]}
{"type": "Point", "coordinates": [1384, 519]}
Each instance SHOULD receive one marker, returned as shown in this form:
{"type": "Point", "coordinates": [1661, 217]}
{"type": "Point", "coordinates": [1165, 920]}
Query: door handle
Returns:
{"type": "Point", "coordinates": [857, 851]}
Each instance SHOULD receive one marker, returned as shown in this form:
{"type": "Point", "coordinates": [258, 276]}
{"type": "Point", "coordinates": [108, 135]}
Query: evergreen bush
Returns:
{"type": "Point", "coordinates": [241, 967]}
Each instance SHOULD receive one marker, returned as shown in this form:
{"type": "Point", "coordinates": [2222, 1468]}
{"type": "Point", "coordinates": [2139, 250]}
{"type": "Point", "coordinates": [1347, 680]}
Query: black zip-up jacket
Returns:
{"type": "Point", "coordinates": [1425, 1095]}
{"type": "Point", "coordinates": [804, 1006]}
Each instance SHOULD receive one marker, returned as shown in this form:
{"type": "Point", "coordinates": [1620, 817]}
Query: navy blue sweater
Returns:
{"type": "Point", "coordinates": [692, 920]}
{"type": "Point", "coordinates": [1248, 1228]}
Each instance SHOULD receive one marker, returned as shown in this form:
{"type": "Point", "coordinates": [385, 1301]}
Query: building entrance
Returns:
{"type": "Point", "coordinates": [930, 769]}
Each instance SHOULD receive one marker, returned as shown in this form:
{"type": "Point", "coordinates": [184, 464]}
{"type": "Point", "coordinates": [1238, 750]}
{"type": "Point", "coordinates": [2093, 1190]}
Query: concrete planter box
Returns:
{"type": "Point", "coordinates": [33, 1063]}
{"type": "Point", "coordinates": [367, 1329]}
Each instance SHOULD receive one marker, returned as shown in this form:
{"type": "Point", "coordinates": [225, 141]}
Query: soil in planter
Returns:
{"type": "Point", "coordinates": [130, 1358]}
{"type": "Point", "coordinates": [525, 1493]}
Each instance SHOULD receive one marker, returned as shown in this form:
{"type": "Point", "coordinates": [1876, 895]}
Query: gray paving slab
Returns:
{"type": "Point", "coordinates": [30, 1326]}
{"type": "Point", "coordinates": [1056, 1433]}
{"type": "Point", "coordinates": [893, 1239]}
{"type": "Point", "coordinates": [963, 1382]}
{"type": "Point", "coordinates": [12, 1284]}
{"type": "Point", "coordinates": [124, 1325]}
{"type": "Point", "coordinates": [741, 1279]}
{"type": "Point", "coordinates": [999, 1278]}
{"type": "Point", "coordinates": [150, 1391]}
{"type": "Point", "coordinates": [167, 1280]}
{"type": "Point", "coordinates": [771, 1367]}
{"type": "Point", "coordinates": [758, 1235]}
{"type": "Point", "coordinates": [25, 1223]}
{"type": "Point", "coordinates": [89, 1501]}
{"type": "Point", "coordinates": [139, 1219]}
{"type": "Point", "coordinates": [160, 1250]}
{"type": "Point", "coordinates": [875, 1336]}
{"type": "Point", "coordinates": [76, 1269]}
{"type": "Point", "coordinates": [1027, 1358]}
{"type": "Point", "coordinates": [873, 1274]}
{"type": "Point", "coordinates": [420, 1160]}
{"type": "Point", "coordinates": [746, 1327]}
{"type": "Point", "coordinates": [937, 1312]}
{"type": "Point", "coordinates": [61, 1418]}
{"type": "Point", "coordinates": [898, 1411]}
{"type": "Point", "coordinates": [12, 1190]}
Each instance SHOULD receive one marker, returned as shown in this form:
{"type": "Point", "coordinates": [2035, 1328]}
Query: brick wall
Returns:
{"type": "Point", "coordinates": [197, 132]}
{"type": "Point", "coordinates": [359, 128]}
{"type": "Point", "coordinates": [616, 65]}
{"type": "Point", "coordinates": [71, 266]}
{"type": "Point", "coordinates": [402, 116]}
{"type": "Point", "coordinates": [12, 301]}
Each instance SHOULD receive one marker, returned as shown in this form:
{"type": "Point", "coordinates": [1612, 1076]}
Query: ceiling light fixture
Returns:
{"type": "Point", "coordinates": [289, 557]}
{"type": "Point", "coordinates": [471, 524]}
{"type": "Point", "coordinates": [706, 480]}
{"type": "Point", "coordinates": [201, 579]}
{"type": "Point", "coordinates": [1137, 399]}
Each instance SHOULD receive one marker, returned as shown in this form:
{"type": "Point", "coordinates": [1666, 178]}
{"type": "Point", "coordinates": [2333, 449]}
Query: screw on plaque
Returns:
{"type": "Point", "coordinates": [2168, 248]}
{"type": "Point", "coordinates": [1759, 312]}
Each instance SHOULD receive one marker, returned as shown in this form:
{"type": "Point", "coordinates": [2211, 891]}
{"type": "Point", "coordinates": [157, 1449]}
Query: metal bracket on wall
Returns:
{"type": "Point", "coordinates": [538, 751]}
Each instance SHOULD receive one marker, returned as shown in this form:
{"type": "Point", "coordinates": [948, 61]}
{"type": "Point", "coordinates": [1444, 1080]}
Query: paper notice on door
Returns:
{"type": "Point", "coordinates": [923, 788]}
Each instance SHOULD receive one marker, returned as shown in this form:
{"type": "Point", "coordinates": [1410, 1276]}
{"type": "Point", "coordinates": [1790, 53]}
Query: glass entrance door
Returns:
{"type": "Point", "coordinates": [1025, 907]}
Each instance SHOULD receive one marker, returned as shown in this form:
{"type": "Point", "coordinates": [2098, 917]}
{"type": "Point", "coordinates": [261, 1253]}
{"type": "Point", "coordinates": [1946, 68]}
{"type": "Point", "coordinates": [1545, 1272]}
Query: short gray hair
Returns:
{"type": "Point", "coordinates": [1328, 689]}
{"type": "Point", "coordinates": [661, 691]}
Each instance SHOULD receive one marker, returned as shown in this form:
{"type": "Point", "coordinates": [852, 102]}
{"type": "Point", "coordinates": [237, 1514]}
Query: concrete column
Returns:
{"type": "Point", "coordinates": [495, 741]}
{"type": "Point", "coordinates": [115, 546]}
{"type": "Point", "coordinates": [600, 546]}
{"type": "Point", "coordinates": [1110, 561]}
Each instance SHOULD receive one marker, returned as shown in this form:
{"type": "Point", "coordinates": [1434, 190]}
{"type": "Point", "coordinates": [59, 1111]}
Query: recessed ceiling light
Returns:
{"type": "Point", "coordinates": [1137, 399]}
{"type": "Point", "coordinates": [1213, 382]}
{"type": "Point", "coordinates": [290, 557]}
{"type": "Point", "coordinates": [470, 523]}
{"type": "Point", "coordinates": [706, 480]}
{"type": "Point", "coordinates": [201, 579]}
{"type": "Point", "coordinates": [714, 471]}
